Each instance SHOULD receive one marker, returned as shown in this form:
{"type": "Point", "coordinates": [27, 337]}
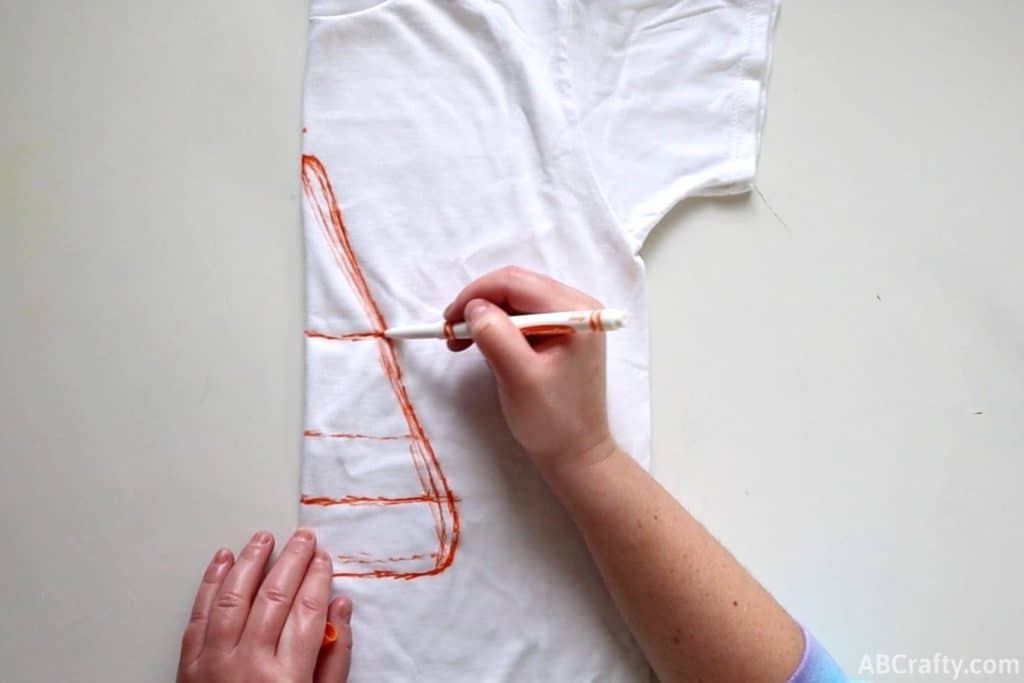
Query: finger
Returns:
{"type": "Point", "coordinates": [231, 607]}
{"type": "Point", "coordinates": [274, 598]}
{"type": "Point", "coordinates": [304, 630]}
{"type": "Point", "coordinates": [538, 343]}
{"type": "Point", "coordinates": [195, 632]}
{"type": "Point", "coordinates": [333, 663]}
{"type": "Point", "coordinates": [502, 343]}
{"type": "Point", "coordinates": [459, 344]}
{"type": "Point", "coordinates": [519, 290]}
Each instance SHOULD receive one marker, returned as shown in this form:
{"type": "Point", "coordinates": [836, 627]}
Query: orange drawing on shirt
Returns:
{"type": "Point", "coordinates": [435, 490]}
{"type": "Point", "coordinates": [352, 336]}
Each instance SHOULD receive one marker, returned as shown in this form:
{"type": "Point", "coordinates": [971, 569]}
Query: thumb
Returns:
{"type": "Point", "coordinates": [501, 342]}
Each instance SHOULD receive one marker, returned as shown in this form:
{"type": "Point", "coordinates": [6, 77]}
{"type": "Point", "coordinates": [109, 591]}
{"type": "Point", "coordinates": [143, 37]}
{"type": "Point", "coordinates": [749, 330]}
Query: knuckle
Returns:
{"type": "Point", "coordinates": [197, 617]}
{"type": "Point", "coordinates": [513, 272]}
{"type": "Point", "coordinates": [252, 552]}
{"type": "Point", "coordinates": [229, 600]}
{"type": "Point", "coordinates": [311, 603]}
{"type": "Point", "coordinates": [275, 596]}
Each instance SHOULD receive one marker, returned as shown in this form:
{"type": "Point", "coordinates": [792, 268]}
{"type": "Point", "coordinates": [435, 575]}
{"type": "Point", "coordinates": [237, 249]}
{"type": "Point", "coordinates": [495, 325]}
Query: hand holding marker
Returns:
{"type": "Point", "coordinates": [532, 325]}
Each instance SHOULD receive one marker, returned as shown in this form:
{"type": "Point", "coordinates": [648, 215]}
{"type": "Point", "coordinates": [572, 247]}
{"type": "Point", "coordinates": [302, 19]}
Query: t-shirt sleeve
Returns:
{"type": "Point", "coordinates": [816, 666]}
{"type": "Point", "coordinates": [670, 98]}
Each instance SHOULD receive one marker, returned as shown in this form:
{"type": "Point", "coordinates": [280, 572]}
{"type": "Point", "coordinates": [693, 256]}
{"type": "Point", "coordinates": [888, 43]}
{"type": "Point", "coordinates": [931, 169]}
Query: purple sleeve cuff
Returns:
{"type": "Point", "coordinates": [816, 666]}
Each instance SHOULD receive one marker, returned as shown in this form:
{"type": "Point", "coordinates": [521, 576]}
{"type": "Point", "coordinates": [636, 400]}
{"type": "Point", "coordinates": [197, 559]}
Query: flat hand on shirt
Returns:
{"type": "Point", "coordinates": [245, 627]}
{"type": "Point", "coordinates": [552, 389]}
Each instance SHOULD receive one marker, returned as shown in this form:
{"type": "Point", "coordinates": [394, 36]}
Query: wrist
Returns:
{"type": "Point", "coordinates": [564, 473]}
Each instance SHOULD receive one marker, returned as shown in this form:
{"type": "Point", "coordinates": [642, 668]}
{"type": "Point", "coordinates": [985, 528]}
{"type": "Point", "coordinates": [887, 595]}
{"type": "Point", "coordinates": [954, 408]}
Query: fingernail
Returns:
{"type": "Point", "coordinates": [218, 565]}
{"type": "Point", "coordinates": [304, 535]}
{"type": "Point", "coordinates": [474, 309]}
{"type": "Point", "coordinates": [322, 557]}
{"type": "Point", "coordinates": [345, 610]}
{"type": "Point", "coordinates": [260, 537]}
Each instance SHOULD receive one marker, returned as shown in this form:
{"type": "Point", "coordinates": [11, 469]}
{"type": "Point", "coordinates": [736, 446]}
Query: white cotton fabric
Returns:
{"type": "Point", "coordinates": [459, 136]}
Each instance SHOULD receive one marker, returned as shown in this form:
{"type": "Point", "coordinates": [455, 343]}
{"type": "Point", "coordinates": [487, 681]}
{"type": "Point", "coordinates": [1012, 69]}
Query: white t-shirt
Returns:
{"type": "Point", "coordinates": [444, 139]}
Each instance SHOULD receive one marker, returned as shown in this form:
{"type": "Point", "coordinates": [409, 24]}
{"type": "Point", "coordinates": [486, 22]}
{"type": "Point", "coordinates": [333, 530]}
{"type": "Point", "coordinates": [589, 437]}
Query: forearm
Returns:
{"type": "Point", "coordinates": [697, 614]}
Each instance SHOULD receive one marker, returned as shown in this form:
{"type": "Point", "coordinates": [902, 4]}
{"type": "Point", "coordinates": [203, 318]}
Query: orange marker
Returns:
{"type": "Point", "coordinates": [330, 635]}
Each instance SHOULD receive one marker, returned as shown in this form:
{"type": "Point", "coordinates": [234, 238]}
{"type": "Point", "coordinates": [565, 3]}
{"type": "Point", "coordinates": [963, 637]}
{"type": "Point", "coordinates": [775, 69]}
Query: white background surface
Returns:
{"type": "Point", "coordinates": [840, 397]}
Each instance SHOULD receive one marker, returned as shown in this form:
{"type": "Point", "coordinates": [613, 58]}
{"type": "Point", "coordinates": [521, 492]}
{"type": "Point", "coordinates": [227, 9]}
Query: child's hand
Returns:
{"type": "Point", "coordinates": [552, 389]}
{"type": "Point", "coordinates": [248, 628]}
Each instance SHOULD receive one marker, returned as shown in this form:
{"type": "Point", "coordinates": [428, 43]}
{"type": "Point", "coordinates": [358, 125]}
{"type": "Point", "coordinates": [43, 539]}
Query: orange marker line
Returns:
{"type": "Point", "coordinates": [316, 434]}
{"type": "Point", "coordinates": [325, 501]}
{"type": "Point", "coordinates": [347, 559]}
{"type": "Point", "coordinates": [352, 336]}
{"type": "Point", "coordinates": [323, 202]}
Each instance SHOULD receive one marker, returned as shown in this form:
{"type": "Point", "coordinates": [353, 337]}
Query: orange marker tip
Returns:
{"type": "Point", "coordinates": [330, 635]}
